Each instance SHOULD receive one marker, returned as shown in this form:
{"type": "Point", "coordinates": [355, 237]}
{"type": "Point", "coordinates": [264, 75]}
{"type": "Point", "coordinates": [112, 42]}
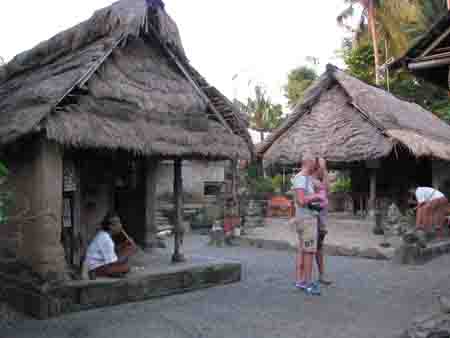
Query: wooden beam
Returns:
{"type": "Point", "coordinates": [436, 42]}
{"type": "Point", "coordinates": [177, 256]}
{"type": "Point", "coordinates": [433, 57]}
{"type": "Point", "coordinates": [429, 64]}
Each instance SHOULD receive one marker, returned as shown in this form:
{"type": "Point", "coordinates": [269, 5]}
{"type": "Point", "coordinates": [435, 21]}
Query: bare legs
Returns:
{"type": "Point", "coordinates": [306, 272]}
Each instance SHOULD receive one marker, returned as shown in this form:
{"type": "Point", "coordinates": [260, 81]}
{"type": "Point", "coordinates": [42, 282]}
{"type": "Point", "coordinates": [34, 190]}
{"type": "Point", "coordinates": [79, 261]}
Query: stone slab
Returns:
{"type": "Point", "coordinates": [412, 255]}
{"type": "Point", "coordinates": [330, 250]}
{"type": "Point", "coordinates": [151, 283]}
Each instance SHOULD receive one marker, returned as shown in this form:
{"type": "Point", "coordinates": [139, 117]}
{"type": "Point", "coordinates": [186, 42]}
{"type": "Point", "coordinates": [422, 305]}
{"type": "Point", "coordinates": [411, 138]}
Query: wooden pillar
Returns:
{"type": "Point", "coordinates": [150, 240]}
{"type": "Point", "coordinates": [177, 256]}
{"type": "Point", "coordinates": [41, 248]}
{"type": "Point", "coordinates": [373, 166]}
{"type": "Point", "coordinates": [78, 234]}
{"type": "Point", "coordinates": [373, 192]}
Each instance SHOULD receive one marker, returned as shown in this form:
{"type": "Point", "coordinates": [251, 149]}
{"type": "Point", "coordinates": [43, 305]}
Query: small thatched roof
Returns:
{"type": "Point", "coordinates": [119, 80]}
{"type": "Point", "coordinates": [429, 56]}
{"type": "Point", "coordinates": [346, 120]}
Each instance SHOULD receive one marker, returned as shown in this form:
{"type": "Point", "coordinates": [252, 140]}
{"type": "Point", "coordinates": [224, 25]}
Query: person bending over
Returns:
{"type": "Point", "coordinates": [431, 210]}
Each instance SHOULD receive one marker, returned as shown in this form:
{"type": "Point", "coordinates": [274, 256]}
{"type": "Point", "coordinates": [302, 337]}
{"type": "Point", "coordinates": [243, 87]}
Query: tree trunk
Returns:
{"type": "Point", "coordinates": [374, 36]}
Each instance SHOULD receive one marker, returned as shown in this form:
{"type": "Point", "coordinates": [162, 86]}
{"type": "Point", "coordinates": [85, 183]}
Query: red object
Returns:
{"type": "Point", "coordinates": [280, 206]}
{"type": "Point", "coordinates": [230, 222]}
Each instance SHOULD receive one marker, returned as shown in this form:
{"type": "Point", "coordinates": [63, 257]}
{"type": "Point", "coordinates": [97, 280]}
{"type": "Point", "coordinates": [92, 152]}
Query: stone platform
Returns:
{"type": "Point", "coordinates": [413, 255]}
{"type": "Point", "coordinates": [347, 236]}
{"type": "Point", "coordinates": [152, 276]}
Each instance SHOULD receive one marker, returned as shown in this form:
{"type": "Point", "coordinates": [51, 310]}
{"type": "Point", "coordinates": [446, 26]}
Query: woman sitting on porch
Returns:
{"type": "Point", "coordinates": [103, 258]}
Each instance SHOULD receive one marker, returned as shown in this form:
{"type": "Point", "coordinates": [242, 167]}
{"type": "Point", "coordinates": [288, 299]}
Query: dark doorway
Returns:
{"type": "Point", "coordinates": [129, 198]}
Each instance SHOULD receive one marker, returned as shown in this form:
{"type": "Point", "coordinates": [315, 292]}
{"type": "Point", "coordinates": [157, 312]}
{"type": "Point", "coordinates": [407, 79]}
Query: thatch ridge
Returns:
{"type": "Point", "coordinates": [376, 118]}
{"type": "Point", "coordinates": [34, 84]}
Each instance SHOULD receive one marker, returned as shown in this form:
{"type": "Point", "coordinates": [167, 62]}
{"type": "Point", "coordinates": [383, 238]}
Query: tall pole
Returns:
{"type": "Point", "coordinates": [177, 256]}
{"type": "Point", "coordinates": [373, 33]}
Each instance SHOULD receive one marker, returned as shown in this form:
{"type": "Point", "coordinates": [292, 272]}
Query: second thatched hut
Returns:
{"type": "Point", "coordinates": [388, 144]}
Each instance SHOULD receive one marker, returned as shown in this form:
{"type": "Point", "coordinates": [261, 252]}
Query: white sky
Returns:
{"type": "Point", "coordinates": [260, 40]}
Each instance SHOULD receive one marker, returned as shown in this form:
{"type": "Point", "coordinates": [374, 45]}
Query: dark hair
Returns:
{"type": "Point", "coordinates": [106, 222]}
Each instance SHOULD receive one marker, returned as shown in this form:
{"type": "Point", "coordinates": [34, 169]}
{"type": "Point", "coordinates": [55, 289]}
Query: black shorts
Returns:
{"type": "Point", "coordinates": [321, 238]}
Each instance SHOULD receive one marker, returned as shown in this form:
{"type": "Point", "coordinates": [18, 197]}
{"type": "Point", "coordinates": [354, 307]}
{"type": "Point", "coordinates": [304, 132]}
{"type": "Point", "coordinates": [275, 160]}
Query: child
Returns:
{"type": "Point", "coordinates": [321, 187]}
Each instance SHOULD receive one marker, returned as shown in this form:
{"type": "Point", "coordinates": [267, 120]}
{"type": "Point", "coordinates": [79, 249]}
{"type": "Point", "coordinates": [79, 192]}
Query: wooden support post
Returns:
{"type": "Point", "coordinates": [150, 232]}
{"type": "Point", "coordinates": [178, 202]}
{"type": "Point", "coordinates": [78, 234]}
{"type": "Point", "coordinates": [373, 192]}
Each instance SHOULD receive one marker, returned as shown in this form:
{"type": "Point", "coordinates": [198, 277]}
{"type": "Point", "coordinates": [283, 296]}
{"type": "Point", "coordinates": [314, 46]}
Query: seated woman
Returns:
{"type": "Point", "coordinates": [103, 259]}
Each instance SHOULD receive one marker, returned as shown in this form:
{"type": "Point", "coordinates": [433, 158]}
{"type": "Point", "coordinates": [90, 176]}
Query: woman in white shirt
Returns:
{"type": "Point", "coordinates": [103, 259]}
{"type": "Point", "coordinates": [432, 208]}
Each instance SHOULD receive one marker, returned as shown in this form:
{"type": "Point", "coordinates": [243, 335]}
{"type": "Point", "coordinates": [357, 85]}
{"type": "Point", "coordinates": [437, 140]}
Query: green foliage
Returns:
{"type": "Point", "coordinates": [277, 183]}
{"type": "Point", "coordinates": [261, 186]}
{"type": "Point", "coordinates": [299, 80]}
{"type": "Point", "coordinates": [252, 171]}
{"type": "Point", "coordinates": [361, 62]}
{"type": "Point", "coordinates": [342, 184]}
{"type": "Point", "coordinates": [442, 109]}
{"type": "Point", "coordinates": [264, 115]}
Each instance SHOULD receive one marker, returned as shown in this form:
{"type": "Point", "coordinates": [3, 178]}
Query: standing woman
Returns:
{"type": "Point", "coordinates": [306, 219]}
{"type": "Point", "coordinates": [322, 188]}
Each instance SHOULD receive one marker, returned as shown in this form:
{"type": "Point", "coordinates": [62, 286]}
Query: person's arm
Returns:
{"type": "Point", "coordinates": [303, 200]}
{"type": "Point", "coordinates": [326, 179]}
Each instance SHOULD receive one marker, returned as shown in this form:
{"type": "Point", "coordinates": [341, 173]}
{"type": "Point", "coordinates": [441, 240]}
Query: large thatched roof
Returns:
{"type": "Point", "coordinates": [429, 56]}
{"type": "Point", "coordinates": [345, 120]}
{"type": "Point", "coordinates": [114, 81]}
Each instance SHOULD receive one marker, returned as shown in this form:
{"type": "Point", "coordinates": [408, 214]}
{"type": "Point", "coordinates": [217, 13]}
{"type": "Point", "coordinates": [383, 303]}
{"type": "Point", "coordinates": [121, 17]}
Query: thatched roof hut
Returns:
{"type": "Point", "coordinates": [429, 55]}
{"type": "Point", "coordinates": [346, 120]}
{"type": "Point", "coordinates": [117, 82]}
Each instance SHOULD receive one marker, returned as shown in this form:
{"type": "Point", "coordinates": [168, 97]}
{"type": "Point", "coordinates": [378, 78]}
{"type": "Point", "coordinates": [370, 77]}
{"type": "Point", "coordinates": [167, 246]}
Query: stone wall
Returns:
{"type": "Point", "coordinates": [20, 168]}
{"type": "Point", "coordinates": [441, 176]}
{"type": "Point", "coordinates": [35, 182]}
{"type": "Point", "coordinates": [195, 173]}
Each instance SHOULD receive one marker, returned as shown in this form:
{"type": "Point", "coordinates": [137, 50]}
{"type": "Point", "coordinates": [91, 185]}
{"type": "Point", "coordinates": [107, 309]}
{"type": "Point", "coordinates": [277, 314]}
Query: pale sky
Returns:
{"type": "Point", "coordinates": [260, 40]}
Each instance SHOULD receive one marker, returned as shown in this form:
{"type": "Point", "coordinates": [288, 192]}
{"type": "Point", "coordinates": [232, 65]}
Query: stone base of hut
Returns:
{"type": "Point", "coordinates": [156, 277]}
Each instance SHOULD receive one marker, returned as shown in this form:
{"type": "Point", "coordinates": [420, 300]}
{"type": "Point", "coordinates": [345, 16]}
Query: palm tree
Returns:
{"type": "Point", "coordinates": [368, 14]}
{"type": "Point", "coordinates": [382, 20]}
{"type": "Point", "coordinates": [264, 115]}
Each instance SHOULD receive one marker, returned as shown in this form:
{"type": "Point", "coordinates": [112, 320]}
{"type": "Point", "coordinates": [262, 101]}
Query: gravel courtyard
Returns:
{"type": "Point", "coordinates": [369, 299]}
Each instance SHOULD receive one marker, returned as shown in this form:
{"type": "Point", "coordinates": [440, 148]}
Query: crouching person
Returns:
{"type": "Point", "coordinates": [103, 257]}
{"type": "Point", "coordinates": [431, 207]}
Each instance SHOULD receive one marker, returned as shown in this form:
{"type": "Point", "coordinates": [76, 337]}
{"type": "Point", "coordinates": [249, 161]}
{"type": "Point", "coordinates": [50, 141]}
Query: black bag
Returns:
{"type": "Point", "coordinates": [315, 206]}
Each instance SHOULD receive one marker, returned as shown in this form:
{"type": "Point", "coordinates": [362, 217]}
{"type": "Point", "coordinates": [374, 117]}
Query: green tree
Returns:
{"type": "Point", "coordinates": [264, 115]}
{"type": "Point", "coordinates": [299, 79]}
{"type": "Point", "coordinates": [360, 63]}
{"type": "Point", "coordinates": [382, 24]}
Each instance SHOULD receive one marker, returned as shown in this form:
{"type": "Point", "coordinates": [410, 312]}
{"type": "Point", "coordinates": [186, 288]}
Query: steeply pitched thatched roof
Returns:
{"type": "Point", "coordinates": [114, 81]}
{"type": "Point", "coordinates": [344, 120]}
